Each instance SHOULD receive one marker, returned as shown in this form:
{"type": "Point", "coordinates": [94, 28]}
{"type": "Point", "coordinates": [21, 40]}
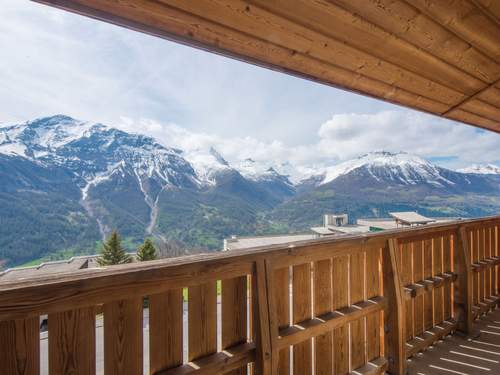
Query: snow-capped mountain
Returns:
{"type": "Point", "coordinates": [481, 169]}
{"type": "Point", "coordinates": [75, 181]}
{"type": "Point", "coordinates": [400, 168]}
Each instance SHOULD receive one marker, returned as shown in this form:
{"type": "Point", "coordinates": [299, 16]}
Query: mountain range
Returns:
{"type": "Point", "coordinates": [65, 184]}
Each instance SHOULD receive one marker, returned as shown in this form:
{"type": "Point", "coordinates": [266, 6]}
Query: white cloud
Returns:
{"type": "Point", "coordinates": [57, 62]}
{"type": "Point", "coordinates": [343, 137]}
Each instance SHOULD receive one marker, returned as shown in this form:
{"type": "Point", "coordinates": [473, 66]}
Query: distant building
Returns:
{"type": "Point", "coordinates": [336, 225]}
{"type": "Point", "coordinates": [54, 267]}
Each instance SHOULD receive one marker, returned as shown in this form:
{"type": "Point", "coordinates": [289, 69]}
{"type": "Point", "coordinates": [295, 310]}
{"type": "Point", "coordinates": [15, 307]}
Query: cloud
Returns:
{"type": "Point", "coordinates": [58, 62]}
{"type": "Point", "coordinates": [343, 137]}
{"type": "Point", "coordinates": [453, 144]}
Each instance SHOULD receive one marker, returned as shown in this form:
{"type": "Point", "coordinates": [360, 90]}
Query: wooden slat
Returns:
{"type": "Point", "coordinates": [165, 330]}
{"type": "Point", "coordinates": [418, 274]}
{"type": "Point", "coordinates": [429, 337]}
{"type": "Point", "coordinates": [340, 274]}
{"type": "Point", "coordinates": [464, 291]}
{"type": "Point", "coordinates": [357, 273]}
{"type": "Point", "coordinates": [263, 320]}
{"type": "Point", "coordinates": [20, 346]}
{"type": "Point", "coordinates": [406, 254]}
{"type": "Point", "coordinates": [482, 256]}
{"type": "Point", "coordinates": [373, 289]}
{"type": "Point", "coordinates": [234, 315]}
{"type": "Point", "coordinates": [323, 344]}
{"type": "Point", "coordinates": [123, 337]}
{"type": "Point", "coordinates": [217, 363]}
{"type": "Point", "coordinates": [429, 295]}
{"type": "Point", "coordinates": [394, 317]}
{"type": "Point", "coordinates": [374, 367]}
{"type": "Point", "coordinates": [448, 268]}
{"type": "Point", "coordinates": [302, 310]}
{"type": "Point", "coordinates": [322, 324]}
{"type": "Point", "coordinates": [438, 270]}
{"type": "Point", "coordinates": [487, 254]}
{"type": "Point", "coordinates": [202, 320]}
{"type": "Point", "coordinates": [281, 294]}
{"type": "Point", "coordinates": [72, 342]}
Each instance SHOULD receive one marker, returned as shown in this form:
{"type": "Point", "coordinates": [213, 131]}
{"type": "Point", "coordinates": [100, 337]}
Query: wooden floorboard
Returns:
{"type": "Point", "coordinates": [461, 355]}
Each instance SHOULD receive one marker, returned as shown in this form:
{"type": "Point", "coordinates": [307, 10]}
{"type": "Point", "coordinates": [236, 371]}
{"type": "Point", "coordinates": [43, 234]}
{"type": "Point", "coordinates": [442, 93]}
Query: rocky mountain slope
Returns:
{"type": "Point", "coordinates": [65, 184]}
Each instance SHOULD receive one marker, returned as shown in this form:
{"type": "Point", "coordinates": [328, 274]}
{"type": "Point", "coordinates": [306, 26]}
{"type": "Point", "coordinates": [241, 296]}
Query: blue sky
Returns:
{"type": "Point", "coordinates": [56, 62]}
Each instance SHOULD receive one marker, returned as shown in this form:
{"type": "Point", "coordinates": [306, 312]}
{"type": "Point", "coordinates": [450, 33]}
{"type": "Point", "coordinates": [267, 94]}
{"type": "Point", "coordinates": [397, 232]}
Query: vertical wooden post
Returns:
{"type": "Point", "coordinates": [463, 293]}
{"type": "Point", "coordinates": [394, 313]}
{"type": "Point", "coordinates": [20, 346]}
{"type": "Point", "coordinates": [262, 318]}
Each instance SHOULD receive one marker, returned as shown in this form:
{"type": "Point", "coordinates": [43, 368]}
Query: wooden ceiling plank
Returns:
{"type": "Point", "coordinates": [320, 15]}
{"type": "Point", "coordinates": [173, 24]}
{"type": "Point", "coordinates": [265, 25]}
{"type": "Point", "coordinates": [491, 96]}
{"type": "Point", "coordinates": [465, 20]}
{"type": "Point", "coordinates": [482, 108]}
{"type": "Point", "coordinates": [409, 24]}
{"type": "Point", "coordinates": [489, 7]}
{"type": "Point", "coordinates": [472, 119]}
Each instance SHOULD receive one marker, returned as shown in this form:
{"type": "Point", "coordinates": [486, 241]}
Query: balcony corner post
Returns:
{"type": "Point", "coordinates": [463, 293]}
{"type": "Point", "coordinates": [394, 310]}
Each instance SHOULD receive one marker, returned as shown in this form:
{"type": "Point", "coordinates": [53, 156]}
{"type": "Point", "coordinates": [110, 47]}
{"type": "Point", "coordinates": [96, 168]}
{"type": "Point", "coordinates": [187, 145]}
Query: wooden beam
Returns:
{"type": "Point", "coordinates": [394, 314]}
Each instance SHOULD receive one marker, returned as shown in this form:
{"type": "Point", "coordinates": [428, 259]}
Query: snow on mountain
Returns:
{"type": "Point", "coordinates": [207, 164]}
{"type": "Point", "coordinates": [481, 169]}
{"type": "Point", "coordinates": [399, 167]}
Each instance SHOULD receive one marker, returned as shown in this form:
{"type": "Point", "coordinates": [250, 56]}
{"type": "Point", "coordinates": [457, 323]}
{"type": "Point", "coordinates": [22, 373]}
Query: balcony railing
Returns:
{"type": "Point", "coordinates": [363, 303]}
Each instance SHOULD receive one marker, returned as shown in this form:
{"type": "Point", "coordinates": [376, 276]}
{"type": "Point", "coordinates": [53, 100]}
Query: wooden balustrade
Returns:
{"type": "Point", "coordinates": [355, 304]}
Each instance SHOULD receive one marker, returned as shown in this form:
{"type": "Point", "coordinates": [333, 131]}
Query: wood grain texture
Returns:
{"type": "Point", "coordinates": [72, 341]}
{"type": "Point", "coordinates": [123, 333]}
{"type": "Point", "coordinates": [20, 347]}
{"type": "Point", "coordinates": [437, 271]}
{"type": "Point", "coordinates": [302, 310]}
{"type": "Point", "coordinates": [340, 272]}
{"type": "Point", "coordinates": [234, 315]}
{"type": "Point", "coordinates": [165, 330]}
{"type": "Point", "coordinates": [418, 275]}
{"type": "Point", "coordinates": [281, 293]}
{"type": "Point", "coordinates": [373, 289]}
{"type": "Point", "coordinates": [357, 275]}
{"type": "Point", "coordinates": [406, 255]}
{"type": "Point", "coordinates": [448, 260]}
{"type": "Point", "coordinates": [323, 344]}
{"type": "Point", "coordinates": [394, 313]}
{"type": "Point", "coordinates": [202, 320]}
{"type": "Point", "coordinates": [429, 295]}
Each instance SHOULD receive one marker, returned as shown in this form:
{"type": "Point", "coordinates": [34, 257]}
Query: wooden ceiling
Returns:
{"type": "Point", "coordinates": [437, 56]}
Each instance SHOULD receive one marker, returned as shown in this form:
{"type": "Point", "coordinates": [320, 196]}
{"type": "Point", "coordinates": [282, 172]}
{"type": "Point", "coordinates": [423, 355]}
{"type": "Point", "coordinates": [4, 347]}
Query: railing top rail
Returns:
{"type": "Point", "coordinates": [94, 286]}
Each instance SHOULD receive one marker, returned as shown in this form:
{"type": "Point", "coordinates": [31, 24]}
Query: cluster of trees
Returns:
{"type": "Point", "coordinates": [113, 253]}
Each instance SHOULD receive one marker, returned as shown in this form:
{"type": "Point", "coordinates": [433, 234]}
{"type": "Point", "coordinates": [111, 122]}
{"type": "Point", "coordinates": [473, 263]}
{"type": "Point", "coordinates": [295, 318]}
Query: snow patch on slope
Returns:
{"type": "Point", "coordinates": [400, 167]}
{"type": "Point", "coordinates": [481, 169]}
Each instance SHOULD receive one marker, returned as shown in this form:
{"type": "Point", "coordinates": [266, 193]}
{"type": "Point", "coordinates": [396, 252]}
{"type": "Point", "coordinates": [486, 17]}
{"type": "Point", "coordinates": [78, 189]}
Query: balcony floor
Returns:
{"type": "Point", "coordinates": [462, 356]}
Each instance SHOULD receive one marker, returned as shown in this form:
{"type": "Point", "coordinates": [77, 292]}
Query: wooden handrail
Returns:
{"type": "Point", "coordinates": [420, 268]}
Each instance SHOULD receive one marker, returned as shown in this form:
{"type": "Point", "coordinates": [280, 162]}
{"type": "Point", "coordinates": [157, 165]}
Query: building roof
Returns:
{"type": "Point", "coordinates": [440, 57]}
{"type": "Point", "coordinates": [53, 267]}
{"type": "Point", "coordinates": [248, 242]}
{"type": "Point", "coordinates": [411, 218]}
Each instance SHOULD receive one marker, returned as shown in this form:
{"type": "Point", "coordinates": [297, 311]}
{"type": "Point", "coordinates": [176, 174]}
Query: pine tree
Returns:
{"type": "Point", "coordinates": [146, 251]}
{"type": "Point", "coordinates": [112, 252]}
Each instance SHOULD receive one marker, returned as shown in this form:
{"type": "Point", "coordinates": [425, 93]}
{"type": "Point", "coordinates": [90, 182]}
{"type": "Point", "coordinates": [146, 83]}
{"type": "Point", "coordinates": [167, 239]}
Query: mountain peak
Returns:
{"type": "Point", "coordinates": [481, 169]}
{"type": "Point", "coordinates": [400, 167]}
